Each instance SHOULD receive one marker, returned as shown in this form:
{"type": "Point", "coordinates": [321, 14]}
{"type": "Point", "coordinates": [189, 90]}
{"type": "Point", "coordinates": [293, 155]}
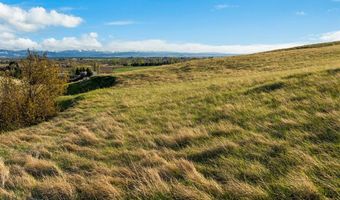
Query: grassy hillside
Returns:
{"type": "Point", "coordinates": [262, 126]}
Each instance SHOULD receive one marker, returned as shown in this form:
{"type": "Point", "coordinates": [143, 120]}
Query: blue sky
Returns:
{"type": "Point", "coordinates": [225, 26]}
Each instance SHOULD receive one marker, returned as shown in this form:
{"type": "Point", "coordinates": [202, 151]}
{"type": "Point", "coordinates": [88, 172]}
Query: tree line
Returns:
{"type": "Point", "coordinates": [156, 61]}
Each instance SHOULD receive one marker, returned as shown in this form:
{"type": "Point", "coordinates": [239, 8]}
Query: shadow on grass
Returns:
{"type": "Point", "coordinates": [93, 83]}
{"type": "Point", "coordinates": [333, 71]}
{"type": "Point", "coordinates": [266, 88]}
{"type": "Point", "coordinates": [65, 103]}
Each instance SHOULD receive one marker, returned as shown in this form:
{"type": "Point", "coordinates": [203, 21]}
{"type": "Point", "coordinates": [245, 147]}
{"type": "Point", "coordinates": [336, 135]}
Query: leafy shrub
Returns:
{"type": "Point", "coordinates": [31, 98]}
{"type": "Point", "coordinates": [11, 100]}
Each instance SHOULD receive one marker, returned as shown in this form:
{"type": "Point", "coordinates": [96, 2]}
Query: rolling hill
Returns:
{"type": "Point", "coordinates": [261, 126]}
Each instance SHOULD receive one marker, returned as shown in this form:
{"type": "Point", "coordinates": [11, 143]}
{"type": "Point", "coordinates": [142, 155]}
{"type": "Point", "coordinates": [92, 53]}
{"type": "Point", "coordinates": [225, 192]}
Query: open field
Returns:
{"type": "Point", "coordinates": [129, 69]}
{"type": "Point", "coordinates": [262, 126]}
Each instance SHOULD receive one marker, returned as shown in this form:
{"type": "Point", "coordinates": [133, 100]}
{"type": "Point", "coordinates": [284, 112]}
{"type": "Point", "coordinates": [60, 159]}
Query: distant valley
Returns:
{"type": "Point", "coordinates": [103, 54]}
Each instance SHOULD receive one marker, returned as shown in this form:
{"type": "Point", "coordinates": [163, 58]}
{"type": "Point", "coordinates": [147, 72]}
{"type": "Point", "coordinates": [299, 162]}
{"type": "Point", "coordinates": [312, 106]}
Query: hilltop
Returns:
{"type": "Point", "coordinates": [260, 126]}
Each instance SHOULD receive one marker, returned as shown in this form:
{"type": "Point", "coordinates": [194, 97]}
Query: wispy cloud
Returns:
{"type": "Point", "coordinates": [301, 13]}
{"type": "Point", "coordinates": [224, 6]}
{"type": "Point", "coordinates": [121, 23]}
{"type": "Point", "coordinates": [66, 8]}
{"type": "Point", "coordinates": [69, 8]}
{"type": "Point", "coordinates": [333, 10]}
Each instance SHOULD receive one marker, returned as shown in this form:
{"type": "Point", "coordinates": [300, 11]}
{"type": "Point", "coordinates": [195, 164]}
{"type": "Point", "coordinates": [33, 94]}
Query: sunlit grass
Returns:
{"type": "Point", "coordinates": [263, 126]}
{"type": "Point", "coordinates": [129, 69]}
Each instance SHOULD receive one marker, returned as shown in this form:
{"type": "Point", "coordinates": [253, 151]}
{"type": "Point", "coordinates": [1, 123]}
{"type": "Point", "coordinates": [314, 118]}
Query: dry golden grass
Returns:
{"type": "Point", "coordinates": [6, 195]}
{"type": "Point", "coordinates": [182, 138]}
{"type": "Point", "coordinates": [53, 189]}
{"type": "Point", "coordinates": [83, 137]}
{"type": "Point", "coordinates": [262, 126]}
{"type": "Point", "coordinates": [40, 168]}
{"type": "Point", "coordinates": [4, 173]}
{"type": "Point", "coordinates": [99, 187]}
{"type": "Point", "coordinates": [20, 179]}
{"type": "Point", "coordinates": [239, 190]}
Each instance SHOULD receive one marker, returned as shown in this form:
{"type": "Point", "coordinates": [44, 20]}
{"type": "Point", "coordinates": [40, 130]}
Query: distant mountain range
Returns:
{"type": "Point", "coordinates": [102, 54]}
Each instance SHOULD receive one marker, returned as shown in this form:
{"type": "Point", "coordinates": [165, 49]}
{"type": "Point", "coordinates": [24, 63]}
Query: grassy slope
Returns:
{"type": "Point", "coordinates": [260, 126]}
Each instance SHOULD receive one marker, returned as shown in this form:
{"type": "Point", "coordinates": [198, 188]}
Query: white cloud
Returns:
{"type": "Point", "coordinates": [35, 18]}
{"type": "Point", "coordinates": [301, 13]}
{"type": "Point", "coordinates": [161, 45]}
{"type": "Point", "coordinates": [4, 28]}
{"type": "Point", "coordinates": [9, 41]}
{"type": "Point", "coordinates": [85, 42]}
{"type": "Point", "coordinates": [330, 37]}
{"type": "Point", "coordinates": [90, 41]}
{"type": "Point", "coordinates": [121, 23]}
